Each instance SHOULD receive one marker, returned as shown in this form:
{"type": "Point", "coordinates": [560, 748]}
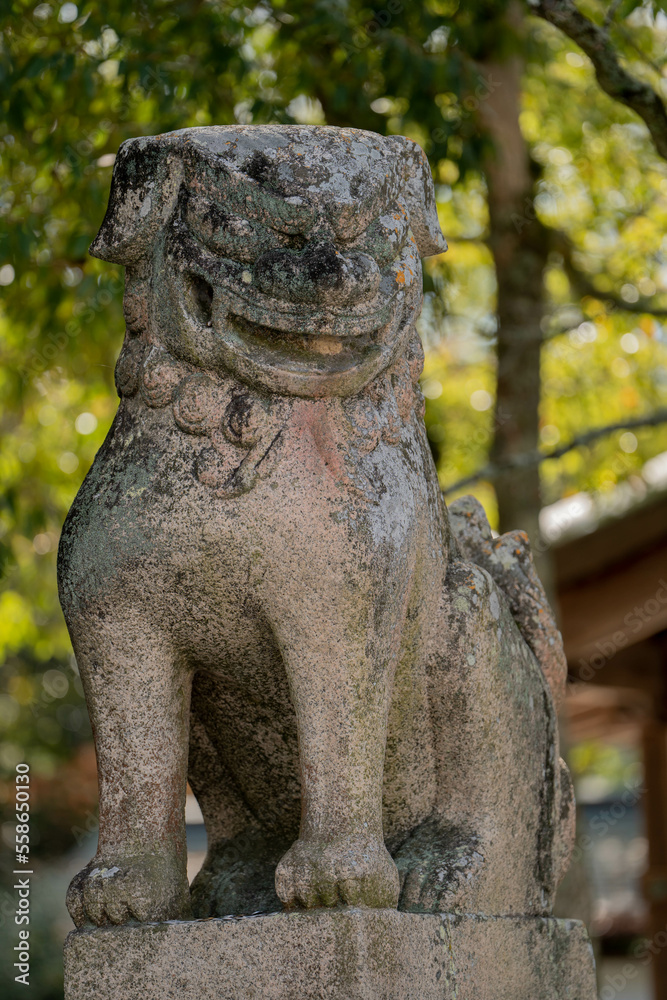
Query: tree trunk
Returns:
{"type": "Point", "coordinates": [519, 244]}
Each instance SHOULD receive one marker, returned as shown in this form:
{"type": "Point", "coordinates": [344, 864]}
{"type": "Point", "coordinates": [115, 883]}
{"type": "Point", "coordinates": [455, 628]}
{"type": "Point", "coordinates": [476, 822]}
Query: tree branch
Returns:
{"type": "Point", "coordinates": [585, 287]}
{"type": "Point", "coordinates": [532, 458]}
{"type": "Point", "coordinates": [612, 77]}
{"type": "Point", "coordinates": [611, 13]}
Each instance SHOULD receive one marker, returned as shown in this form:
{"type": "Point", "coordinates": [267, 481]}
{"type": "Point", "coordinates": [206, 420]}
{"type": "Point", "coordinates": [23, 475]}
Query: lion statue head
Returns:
{"type": "Point", "coordinates": [285, 256]}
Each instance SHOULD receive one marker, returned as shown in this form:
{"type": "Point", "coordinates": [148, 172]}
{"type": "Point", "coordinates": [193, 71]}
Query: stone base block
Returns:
{"type": "Point", "coordinates": [347, 954]}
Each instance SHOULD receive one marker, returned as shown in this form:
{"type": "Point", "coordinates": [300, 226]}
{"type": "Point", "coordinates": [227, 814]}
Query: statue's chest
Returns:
{"type": "Point", "coordinates": [237, 435]}
{"type": "Point", "coordinates": [218, 481]}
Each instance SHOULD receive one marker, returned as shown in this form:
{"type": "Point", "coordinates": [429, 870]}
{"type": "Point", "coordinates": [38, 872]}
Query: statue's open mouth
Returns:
{"type": "Point", "coordinates": [336, 350]}
{"type": "Point", "coordinates": [297, 347]}
{"type": "Point", "coordinates": [289, 318]}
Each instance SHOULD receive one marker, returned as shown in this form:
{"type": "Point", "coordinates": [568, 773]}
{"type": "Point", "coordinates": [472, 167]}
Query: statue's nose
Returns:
{"type": "Point", "coordinates": [318, 273]}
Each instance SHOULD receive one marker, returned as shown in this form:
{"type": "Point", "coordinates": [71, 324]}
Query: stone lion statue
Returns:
{"type": "Point", "coordinates": [266, 594]}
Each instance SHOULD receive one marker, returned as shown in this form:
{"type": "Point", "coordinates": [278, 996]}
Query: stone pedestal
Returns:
{"type": "Point", "coordinates": [347, 954]}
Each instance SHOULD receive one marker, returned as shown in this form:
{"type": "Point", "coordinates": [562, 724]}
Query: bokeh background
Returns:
{"type": "Point", "coordinates": [545, 378]}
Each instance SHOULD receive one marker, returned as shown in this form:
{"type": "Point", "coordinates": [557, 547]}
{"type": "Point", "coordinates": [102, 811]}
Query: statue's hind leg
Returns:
{"type": "Point", "coordinates": [509, 561]}
{"type": "Point", "coordinates": [489, 846]}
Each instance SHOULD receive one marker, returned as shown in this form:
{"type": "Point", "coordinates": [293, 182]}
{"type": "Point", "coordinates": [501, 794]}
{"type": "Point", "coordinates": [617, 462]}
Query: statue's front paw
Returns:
{"type": "Point", "coordinates": [137, 887]}
{"type": "Point", "coordinates": [342, 871]}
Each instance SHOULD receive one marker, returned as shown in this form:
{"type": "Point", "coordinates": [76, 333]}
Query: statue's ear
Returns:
{"type": "Point", "coordinates": [146, 180]}
{"type": "Point", "coordinates": [420, 198]}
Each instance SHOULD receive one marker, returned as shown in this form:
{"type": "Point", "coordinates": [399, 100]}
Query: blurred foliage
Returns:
{"type": "Point", "coordinates": [78, 80]}
{"type": "Point", "coordinates": [602, 190]}
{"type": "Point", "coordinates": [607, 768]}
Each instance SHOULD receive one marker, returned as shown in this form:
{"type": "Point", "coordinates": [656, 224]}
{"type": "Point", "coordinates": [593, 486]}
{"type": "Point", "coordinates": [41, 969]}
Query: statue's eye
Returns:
{"type": "Point", "coordinates": [231, 235]}
{"type": "Point", "coordinates": [385, 237]}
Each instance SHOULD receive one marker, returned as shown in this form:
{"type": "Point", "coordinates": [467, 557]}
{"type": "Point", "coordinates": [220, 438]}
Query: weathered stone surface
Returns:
{"type": "Point", "coordinates": [259, 575]}
{"type": "Point", "coordinates": [335, 955]}
{"type": "Point", "coordinates": [509, 561]}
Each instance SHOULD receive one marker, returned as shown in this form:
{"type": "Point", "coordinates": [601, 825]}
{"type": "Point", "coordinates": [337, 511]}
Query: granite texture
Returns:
{"type": "Point", "coordinates": [264, 589]}
{"type": "Point", "coordinates": [336, 955]}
